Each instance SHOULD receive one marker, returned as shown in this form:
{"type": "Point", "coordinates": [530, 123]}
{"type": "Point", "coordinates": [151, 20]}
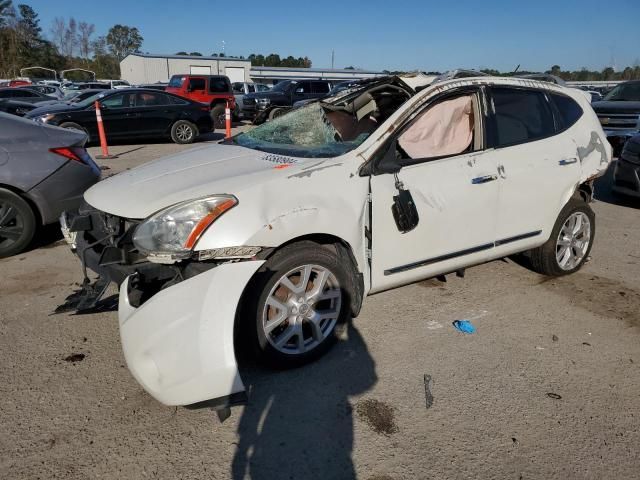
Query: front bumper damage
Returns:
{"type": "Point", "coordinates": [176, 321]}
{"type": "Point", "coordinates": [179, 344]}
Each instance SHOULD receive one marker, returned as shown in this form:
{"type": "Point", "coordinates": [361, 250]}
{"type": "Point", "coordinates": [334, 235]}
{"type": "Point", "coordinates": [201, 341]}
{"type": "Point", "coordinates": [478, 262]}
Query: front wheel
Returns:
{"type": "Point", "coordinates": [183, 132]}
{"type": "Point", "coordinates": [299, 296]}
{"type": "Point", "coordinates": [570, 242]}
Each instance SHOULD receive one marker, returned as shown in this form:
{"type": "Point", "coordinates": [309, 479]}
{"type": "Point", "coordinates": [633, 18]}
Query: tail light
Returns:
{"type": "Point", "coordinates": [72, 153]}
{"type": "Point", "coordinates": [77, 154]}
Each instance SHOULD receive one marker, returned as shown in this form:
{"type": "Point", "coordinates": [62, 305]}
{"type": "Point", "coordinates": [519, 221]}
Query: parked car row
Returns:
{"type": "Point", "coordinates": [131, 113]}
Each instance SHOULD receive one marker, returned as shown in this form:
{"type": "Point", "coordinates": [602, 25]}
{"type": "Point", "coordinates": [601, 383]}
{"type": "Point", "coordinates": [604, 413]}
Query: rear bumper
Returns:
{"type": "Point", "coordinates": [179, 344]}
{"type": "Point", "coordinates": [626, 178]}
{"type": "Point", "coordinates": [63, 190]}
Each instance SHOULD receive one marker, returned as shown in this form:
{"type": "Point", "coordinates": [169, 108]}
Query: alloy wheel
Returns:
{"type": "Point", "coordinates": [573, 241]}
{"type": "Point", "coordinates": [184, 132]}
{"type": "Point", "coordinates": [11, 225]}
{"type": "Point", "coordinates": [302, 309]}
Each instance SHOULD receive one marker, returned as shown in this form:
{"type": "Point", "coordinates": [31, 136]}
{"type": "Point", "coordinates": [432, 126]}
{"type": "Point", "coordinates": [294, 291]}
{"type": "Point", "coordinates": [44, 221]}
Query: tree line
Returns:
{"type": "Point", "coordinates": [260, 60]}
{"type": "Point", "coordinates": [582, 75]}
{"type": "Point", "coordinates": [71, 43]}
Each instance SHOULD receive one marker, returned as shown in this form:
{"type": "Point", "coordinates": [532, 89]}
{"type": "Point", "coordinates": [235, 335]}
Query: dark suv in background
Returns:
{"type": "Point", "coordinates": [214, 90]}
{"type": "Point", "coordinates": [268, 105]}
{"type": "Point", "coordinates": [619, 114]}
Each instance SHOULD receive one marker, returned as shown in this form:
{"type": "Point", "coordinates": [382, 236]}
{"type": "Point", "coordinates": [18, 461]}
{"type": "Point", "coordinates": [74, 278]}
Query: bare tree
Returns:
{"type": "Point", "coordinates": [84, 38]}
{"type": "Point", "coordinates": [70, 38]}
{"type": "Point", "coordinates": [58, 28]}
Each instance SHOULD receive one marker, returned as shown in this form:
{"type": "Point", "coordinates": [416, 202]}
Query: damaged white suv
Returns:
{"type": "Point", "coordinates": [278, 234]}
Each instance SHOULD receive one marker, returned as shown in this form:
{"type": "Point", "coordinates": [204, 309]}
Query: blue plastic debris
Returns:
{"type": "Point", "coordinates": [465, 326]}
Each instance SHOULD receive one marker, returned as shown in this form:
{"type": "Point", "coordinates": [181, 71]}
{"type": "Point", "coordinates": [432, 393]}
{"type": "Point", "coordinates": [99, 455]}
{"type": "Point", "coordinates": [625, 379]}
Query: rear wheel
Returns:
{"type": "Point", "coordinates": [183, 132]}
{"type": "Point", "coordinates": [218, 116]}
{"type": "Point", "coordinates": [73, 126]}
{"type": "Point", "coordinates": [17, 223]}
{"type": "Point", "coordinates": [299, 296]}
{"type": "Point", "coordinates": [570, 242]}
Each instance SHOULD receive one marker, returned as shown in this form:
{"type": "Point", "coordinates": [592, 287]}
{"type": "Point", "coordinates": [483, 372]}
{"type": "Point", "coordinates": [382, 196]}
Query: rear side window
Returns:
{"type": "Point", "coordinates": [520, 116]}
{"type": "Point", "coordinates": [177, 100]}
{"type": "Point", "coordinates": [319, 87]}
{"type": "Point", "coordinates": [176, 81]}
{"type": "Point", "coordinates": [237, 87]}
{"type": "Point", "coordinates": [218, 85]}
{"type": "Point", "coordinates": [148, 99]}
{"type": "Point", "coordinates": [570, 112]}
{"type": "Point", "coordinates": [196, 84]}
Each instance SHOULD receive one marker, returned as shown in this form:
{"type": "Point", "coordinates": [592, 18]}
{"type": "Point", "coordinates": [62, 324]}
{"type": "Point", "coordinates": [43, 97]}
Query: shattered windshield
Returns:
{"type": "Point", "coordinates": [304, 132]}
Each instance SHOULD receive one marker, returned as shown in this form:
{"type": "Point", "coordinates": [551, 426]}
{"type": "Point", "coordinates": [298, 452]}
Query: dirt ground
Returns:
{"type": "Point", "coordinates": [547, 387]}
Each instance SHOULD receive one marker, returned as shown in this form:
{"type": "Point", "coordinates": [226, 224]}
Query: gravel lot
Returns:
{"type": "Point", "coordinates": [548, 386]}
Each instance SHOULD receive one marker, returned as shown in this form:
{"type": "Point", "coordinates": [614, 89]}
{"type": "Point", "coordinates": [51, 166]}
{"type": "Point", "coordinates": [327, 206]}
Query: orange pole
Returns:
{"type": "Point", "coordinates": [227, 118]}
{"type": "Point", "coordinates": [103, 137]}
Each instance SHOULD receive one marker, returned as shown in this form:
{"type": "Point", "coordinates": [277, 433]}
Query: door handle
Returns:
{"type": "Point", "coordinates": [485, 179]}
{"type": "Point", "coordinates": [567, 161]}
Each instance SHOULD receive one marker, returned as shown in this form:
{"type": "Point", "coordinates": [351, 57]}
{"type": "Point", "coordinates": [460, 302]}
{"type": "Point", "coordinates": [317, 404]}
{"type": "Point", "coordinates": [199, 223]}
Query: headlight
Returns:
{"type": "Point", "coordinates": [172, 233]}
{"type": "Point", "coordinates": [44, 118]}
{"type": "Point", "coordinates": [264, 101]}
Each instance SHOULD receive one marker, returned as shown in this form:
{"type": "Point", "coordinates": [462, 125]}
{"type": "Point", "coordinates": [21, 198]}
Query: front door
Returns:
{"type": "Point", "coordinates": [452, 179]}
{"type": "Point", "coordinates": [117, 114]}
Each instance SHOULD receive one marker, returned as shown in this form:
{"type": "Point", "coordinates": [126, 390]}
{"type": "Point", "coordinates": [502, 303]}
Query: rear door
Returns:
{"type": "Point", "coordinates": [153, 113]}
{"type": "Point", "coordinates": [197, 89]}
{"type": "Point", "coordinates": [301, 91]}
{"type": "Point", "coordinates": [538, 168]}
{"type": "Point", "coordinates": [319, 89]}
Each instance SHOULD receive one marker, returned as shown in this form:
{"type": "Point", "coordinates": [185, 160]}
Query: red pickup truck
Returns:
{"type": "Point", "coordinates": [214, 90]}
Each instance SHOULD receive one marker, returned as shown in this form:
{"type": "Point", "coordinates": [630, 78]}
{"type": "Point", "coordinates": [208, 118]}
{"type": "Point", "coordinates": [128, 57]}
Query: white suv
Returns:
{"type": "Point", "coordinates": [281, 232]}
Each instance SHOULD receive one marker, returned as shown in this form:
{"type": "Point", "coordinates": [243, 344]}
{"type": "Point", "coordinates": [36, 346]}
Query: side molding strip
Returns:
{"type": "Point", "coordinates": [461, 253]}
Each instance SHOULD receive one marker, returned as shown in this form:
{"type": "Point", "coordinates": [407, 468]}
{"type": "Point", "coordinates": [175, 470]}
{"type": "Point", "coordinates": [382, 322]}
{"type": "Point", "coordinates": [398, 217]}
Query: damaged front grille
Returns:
{"type": "Point", "coordinates": [104, 244]}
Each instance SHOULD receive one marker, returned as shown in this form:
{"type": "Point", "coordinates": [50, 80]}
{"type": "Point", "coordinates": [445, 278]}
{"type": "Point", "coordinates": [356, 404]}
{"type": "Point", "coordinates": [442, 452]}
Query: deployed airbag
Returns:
{"type": "Point", "coordinates": [444, 129]}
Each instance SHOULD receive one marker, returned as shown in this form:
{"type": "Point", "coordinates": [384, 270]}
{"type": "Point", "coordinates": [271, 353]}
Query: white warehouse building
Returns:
{"type": "Point", "coordinates": [137, 68]}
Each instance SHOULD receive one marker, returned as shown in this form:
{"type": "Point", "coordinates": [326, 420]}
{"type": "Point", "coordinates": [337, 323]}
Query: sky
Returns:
{"type": "Point", "coordinates": [375, 35]}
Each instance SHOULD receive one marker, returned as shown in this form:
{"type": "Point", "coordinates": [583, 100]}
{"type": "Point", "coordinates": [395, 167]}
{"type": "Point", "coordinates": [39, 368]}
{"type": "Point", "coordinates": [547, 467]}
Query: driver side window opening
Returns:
{"type": "Point", "coordinates": [450, 127]}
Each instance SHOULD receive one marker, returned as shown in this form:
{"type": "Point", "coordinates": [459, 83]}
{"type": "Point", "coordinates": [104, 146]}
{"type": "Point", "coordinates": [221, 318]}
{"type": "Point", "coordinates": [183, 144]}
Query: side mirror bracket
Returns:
{"type": "Point", "coordinates": [389, 162]}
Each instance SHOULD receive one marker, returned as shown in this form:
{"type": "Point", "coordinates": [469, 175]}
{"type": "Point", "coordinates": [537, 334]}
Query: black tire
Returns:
{"type": "Point", "coordinates": [218, 116]}
{"type": "Point", "coordinates": [276, 112]}
{"type": "Point", "coordinates": [267, 282]}
{"type": "Point", "coordinates": [17, 222]}
{"type": "Point", "coordinates": [183, 132]}
{"type": "Point", "coordinates": [73, 126]}
{"type": "Point", "coordinates": [544, 258]}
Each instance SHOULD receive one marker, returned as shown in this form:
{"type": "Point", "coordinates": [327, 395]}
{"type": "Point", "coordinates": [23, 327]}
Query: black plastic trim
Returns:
{"type": "Point", "coordinates": [220, 403]}
{"type": "Point", "coordinates": [461, 253]}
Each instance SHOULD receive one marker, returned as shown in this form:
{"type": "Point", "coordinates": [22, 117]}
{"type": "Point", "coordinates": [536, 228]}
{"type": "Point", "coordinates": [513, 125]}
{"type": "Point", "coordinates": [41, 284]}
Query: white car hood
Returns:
{"type": "Point", "coordinates": [209, 170]}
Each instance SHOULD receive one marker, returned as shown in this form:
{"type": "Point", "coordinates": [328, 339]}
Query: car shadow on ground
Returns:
{"type": "Point", "coordinates": [604, 191]}
{"type": "Point", "coordinates": [299, 423]}
{"type": "Point", "coordinates": [47, 236]}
